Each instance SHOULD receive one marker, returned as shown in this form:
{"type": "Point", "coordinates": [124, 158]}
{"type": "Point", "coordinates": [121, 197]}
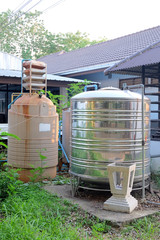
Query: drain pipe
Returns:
{"type": "Point", "coordinates": [143, 140]}
{"type": "Point", "coordinates": [143, 143]}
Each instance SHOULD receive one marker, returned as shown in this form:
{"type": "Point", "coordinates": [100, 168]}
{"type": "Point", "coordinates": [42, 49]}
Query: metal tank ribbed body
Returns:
{"type": "Point", "coordinates": [106, 127]}
{"type": "Point", "coordinates": [35, 121]}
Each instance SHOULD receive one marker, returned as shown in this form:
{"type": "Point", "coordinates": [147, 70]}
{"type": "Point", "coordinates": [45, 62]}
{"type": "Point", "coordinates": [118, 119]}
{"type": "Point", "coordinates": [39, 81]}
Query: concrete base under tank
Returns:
{"type": "Point", "coordinates": [26, 174]}
{"type": "Point", "coordinates": [94, 205]}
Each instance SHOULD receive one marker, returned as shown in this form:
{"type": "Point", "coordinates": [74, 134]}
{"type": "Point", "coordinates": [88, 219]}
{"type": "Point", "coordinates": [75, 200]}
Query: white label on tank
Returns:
{"type": "Point", "coordinates": [44, 127]}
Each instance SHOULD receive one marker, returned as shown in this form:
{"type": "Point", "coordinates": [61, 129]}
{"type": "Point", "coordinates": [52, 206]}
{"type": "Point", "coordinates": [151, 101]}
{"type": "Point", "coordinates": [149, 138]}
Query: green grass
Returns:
{"type": "Point", "coordinates": [31, 213]}
{"type": "Point", "coordinates": [147, 228]}
{"type": "Point", "coordinates": [61, 180]}
{"type": "Point", "coordinates": [35, 214]}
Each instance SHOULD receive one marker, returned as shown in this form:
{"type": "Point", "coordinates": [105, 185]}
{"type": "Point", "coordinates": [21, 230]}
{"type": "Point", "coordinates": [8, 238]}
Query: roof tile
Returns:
{"type": "Point", "coordinates": [105, 52]}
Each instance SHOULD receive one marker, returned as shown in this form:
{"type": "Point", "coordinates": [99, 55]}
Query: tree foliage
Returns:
{"type": "Point", "coordinates": [63, 101]}
{"type": "Point", "coordinates": [71, 41]}
{"type": "Point", "coordinates": [24, 35]}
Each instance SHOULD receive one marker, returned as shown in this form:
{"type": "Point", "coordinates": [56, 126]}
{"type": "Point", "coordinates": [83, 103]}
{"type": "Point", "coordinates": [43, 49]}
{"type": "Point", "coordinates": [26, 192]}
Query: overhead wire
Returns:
{"type": "Point", "coordinates": [24, 5]}
{"type": "Point", "coordinates": [15, 11]}
{"type": "Point", "coordinates": [34, 6]}
{"type": "Point", "coordinates": [53, 5]}
{"type": "Point", "coordinates": [21, 7]}
{"type": "Point", "coordinates": [22, 13]}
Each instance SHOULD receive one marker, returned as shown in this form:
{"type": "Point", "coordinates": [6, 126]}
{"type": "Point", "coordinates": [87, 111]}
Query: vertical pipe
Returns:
{"type": "Point", "coordinates": [143, 142]}
{"type": "Point", "coordinates": [7, 104]}
{"type": "Point", "coordinates": [30, 77]}
{"type": "Point", "coordinates": [46, 81]}
{"type": "Point", "coordinates": [22, 78]}
{"type": "Point", "coordinates": [143, 138]}
{"type": "Point", "coordinates": [159, 95]}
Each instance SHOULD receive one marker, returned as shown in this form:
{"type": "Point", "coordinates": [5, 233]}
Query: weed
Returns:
{"type": "Point", "coordinates": [3, 155]}
{"type": "Point", "coordinates": [62, 101]}
{"type": "Point", "coordinates": [61, 180]}
{"type": "Point", "coordinates": [145, 228]}
{"type": "Point", "coordinates": [9, 182]}
{"type": "Point", "coordinates": [35, 214]}
{"type": "Point", "coordinates": [75, 88]}
{"type": "Point", "coordinates": [6, 134]}
{"type": "Point", "coordinates": [37, 173]}
{"type": "Point", "coordinates": [101, 227]}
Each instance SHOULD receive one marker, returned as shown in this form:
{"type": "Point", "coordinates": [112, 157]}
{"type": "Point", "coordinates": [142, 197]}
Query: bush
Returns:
{"type": "Point", "coordinates": [9, 182]}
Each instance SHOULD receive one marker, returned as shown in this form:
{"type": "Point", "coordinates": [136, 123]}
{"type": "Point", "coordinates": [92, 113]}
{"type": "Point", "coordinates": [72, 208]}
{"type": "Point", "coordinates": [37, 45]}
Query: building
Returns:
{"type": "Point", "coordinates": [10, 82]}
{"type": "Point", "coordinates": [146, 66]}
{"type": "Point", "coordinates": [131, 59]}
{"type": "Point", "coordinates": [90, 62]}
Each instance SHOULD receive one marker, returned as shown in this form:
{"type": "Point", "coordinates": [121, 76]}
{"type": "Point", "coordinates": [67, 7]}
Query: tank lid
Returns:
{"type": "Point", "coordinates": [110, 93]}
{"type": "Point", "coordinates": [109, 88]}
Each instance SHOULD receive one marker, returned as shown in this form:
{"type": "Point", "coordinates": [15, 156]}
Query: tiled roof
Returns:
{"type": "Point", "coordinates": [133, 65]}
{"type": "Point", "coordinates": [99, 54]}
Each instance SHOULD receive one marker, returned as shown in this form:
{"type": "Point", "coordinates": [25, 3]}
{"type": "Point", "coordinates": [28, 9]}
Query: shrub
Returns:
{"type": "Point", "coordinates": [9, 182]}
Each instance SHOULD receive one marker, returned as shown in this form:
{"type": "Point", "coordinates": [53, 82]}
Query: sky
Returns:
{"type": "Point", "coordinates": [98, 18]}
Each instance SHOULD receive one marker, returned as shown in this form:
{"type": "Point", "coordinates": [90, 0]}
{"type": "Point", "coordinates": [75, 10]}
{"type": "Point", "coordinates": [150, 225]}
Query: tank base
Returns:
{"type": "Point", "coordinates": [26, 175]}
{"type": "Point", "coordinates": [99, 185]}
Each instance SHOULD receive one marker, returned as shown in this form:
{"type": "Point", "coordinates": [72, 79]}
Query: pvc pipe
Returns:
{"type": "Point", "coordinates": [3, 160]}
{"type": "Point", "coordinates": [88, 86]}
{"type": "Point", "coordinates": [143, 140]}
{"type": "Point", "coordinates": [143, 143]}
{"type": "Point", "coordinates": [60, 144]}
{"type": "Point", "coordinates": [9, 106]}
{"type": "Point", "coordinates": [63, 150]}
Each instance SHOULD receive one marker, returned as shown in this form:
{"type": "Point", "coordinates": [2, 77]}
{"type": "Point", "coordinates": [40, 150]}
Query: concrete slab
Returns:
{"type": "Point", "coordinates": [94, 205]}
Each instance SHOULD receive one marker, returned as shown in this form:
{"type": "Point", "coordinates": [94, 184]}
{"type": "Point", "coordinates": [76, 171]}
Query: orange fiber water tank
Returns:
{"type": "Point", "coordinates": [34, 120]}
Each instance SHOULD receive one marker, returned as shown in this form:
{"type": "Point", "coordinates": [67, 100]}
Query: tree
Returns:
{"type": "Point", "coordinates": [24, 35]}
{"type": "Point", "coordinates": [71, 41]}
{"type": "Point", "coordinates": [62, 101]}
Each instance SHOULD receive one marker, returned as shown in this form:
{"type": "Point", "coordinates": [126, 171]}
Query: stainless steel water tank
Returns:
{"type": "Point", "coordinates": [106, 127]}
{"type": "Point", "coordinates": [35, 121]}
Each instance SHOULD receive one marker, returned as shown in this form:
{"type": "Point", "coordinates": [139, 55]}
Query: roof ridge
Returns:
{"type": "Point", "coordinates": [145, 30]}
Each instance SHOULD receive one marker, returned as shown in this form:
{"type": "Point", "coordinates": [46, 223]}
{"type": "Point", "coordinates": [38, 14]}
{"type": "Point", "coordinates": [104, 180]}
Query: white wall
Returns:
{"type": "Point", "coordinates": [10, 62]}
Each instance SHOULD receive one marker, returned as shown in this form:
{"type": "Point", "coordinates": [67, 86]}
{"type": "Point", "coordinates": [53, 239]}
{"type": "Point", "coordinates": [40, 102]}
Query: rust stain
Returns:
{"type": "Point", "coordinates": [25, 110]}
{"type": "Point", "coordinates": [27, 128]}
